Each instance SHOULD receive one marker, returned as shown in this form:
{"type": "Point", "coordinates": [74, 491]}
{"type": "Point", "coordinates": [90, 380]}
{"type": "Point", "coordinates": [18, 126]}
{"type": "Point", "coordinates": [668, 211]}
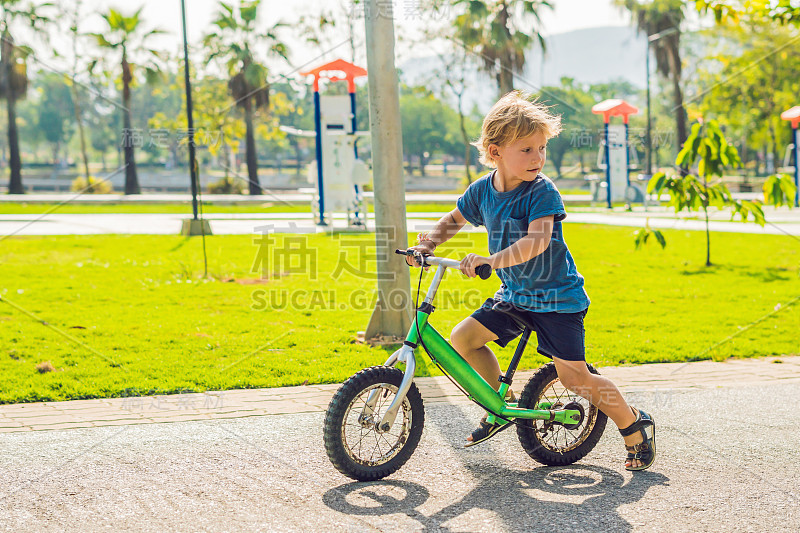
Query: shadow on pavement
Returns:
{"type": "Point", "coordinates": [576, 497]}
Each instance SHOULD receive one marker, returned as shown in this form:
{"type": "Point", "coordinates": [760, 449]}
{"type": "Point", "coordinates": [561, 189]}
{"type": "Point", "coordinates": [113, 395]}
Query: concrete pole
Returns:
{"type": "Point", "coordinates": [392, 314]}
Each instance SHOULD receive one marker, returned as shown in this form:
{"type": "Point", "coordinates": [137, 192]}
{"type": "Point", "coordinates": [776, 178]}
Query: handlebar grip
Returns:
{"type": "Point", "coordinates": [403, 252]}
{"type": "Point", "coordinates": [484, 271]}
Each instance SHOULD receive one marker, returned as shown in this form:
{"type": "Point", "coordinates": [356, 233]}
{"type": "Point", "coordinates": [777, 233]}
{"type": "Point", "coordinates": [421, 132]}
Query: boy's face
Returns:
{"type": "Point", "coordinates": [522, 159]}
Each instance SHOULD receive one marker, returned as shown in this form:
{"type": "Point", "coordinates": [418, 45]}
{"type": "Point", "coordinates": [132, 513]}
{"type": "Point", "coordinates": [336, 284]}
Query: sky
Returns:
{"type": "Point", "coordinates": [166, 15]}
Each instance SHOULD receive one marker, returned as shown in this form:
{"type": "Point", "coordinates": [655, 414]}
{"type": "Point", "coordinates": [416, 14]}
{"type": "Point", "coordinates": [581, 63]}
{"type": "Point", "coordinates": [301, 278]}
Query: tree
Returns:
{"type": "Point", "coordinates": [428, 125]}
{"type": "Point", "coordinates": [707, 147]}
{"type": "Point", "coordinates": [103, 126]}
{"type": "Point", "coordinates": [54, 112]}
{"type": "Point", "coordinates": [501, 32]}
{"type": "Point", "coordinates": [75, 16]}
{"type": "Point", "coordinates": [215, 128]}
{"type": "Point", "coordinates": [125, 36]}
{"type": "Point", "coordinates": [455, 72]}
{"type": "Point", "coordinates": [758, 55]}
{"type": "Point", "coordinates": [102, 119]}
{"type": "Point", "coordinates": [231, 44]}
{"type": "Point", "coordinates": [781, 11]}
{"type": "Point", "coordinates": [324, 28]}
{"type": "Point", "coordinates": [655, 16]}
{"type": "Point", "coordinates": [14, 75]}
{"type": "Point", "coordinates": [574, 104]}
{"type": "Point", "coordinates": [303, 119]}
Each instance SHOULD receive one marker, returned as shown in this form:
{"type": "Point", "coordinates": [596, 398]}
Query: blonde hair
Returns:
{"type": "Point", "coordinates": [513, 117]}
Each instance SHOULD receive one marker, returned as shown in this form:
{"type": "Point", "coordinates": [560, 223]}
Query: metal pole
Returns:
{"type": "Point", "coordinates": [627, 156]}
{"type": "Point", "coordinates": [649, 144]}
{"type": "Point", "coordinates": [357, 212]}
{"type": "Point", "coordinates": [318, 129]}
{"type": "Point", "coordinates": [189, 118]}
{"type": "Point", "coordinates": [392, 315]}
{"type": "Point", "coordinates": [608, 167]}
{"type": "Point", "coordinates": [796, 166]}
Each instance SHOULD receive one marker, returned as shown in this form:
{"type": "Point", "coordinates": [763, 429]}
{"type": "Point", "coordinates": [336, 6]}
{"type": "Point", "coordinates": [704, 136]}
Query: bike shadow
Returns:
{"type": "Point", "coordinates": [576, 497]}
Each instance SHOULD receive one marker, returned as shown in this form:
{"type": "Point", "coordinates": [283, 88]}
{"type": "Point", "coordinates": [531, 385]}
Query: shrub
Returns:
{"type": "Point", "coordinates": [94, 185]}
{"type": "Point", "coordinates": [226, 185]}
{"type": "Point", "coordinates": [45, 367]}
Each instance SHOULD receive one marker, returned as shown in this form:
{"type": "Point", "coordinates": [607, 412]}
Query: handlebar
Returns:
{"type": "Point", "coordinates": [483, 271]}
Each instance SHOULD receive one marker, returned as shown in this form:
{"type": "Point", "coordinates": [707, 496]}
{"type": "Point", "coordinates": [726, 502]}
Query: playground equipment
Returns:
{"type": "Point", "coordinates": [615, 156]}
{"type": "Point", "coordinates": [793, 115]}
{"type": "Point", "coordinates": [337, 171]}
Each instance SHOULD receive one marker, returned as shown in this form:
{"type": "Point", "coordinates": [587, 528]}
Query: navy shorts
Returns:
{"type": "Point", "coordinates": [560, 335]}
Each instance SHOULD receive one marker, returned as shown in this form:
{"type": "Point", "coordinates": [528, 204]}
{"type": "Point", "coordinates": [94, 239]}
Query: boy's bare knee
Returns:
{"type": "Point", "coordinates": [574, 377]}
{"type": "Point", "coordinates": [460, 338]}
{"type": "Point", "coordinates": [465, 338]}
{"type": "Point", "coordinates": [572, 383]}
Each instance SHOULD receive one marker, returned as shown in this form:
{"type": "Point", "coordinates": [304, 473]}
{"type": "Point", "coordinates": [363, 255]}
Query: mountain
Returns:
{"type": "Point", "coordinates": [591, 55]}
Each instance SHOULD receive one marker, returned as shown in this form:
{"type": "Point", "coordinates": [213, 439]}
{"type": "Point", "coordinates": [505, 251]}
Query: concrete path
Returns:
{"type": "Point", "coordinates": [653, 379]}
{"type": "Point", "coordinates": [275, 197]}
{"type": "Point", "coordinates": [269, 196]}
{"type": "Point", "coordinates": [727, 461]}
{"type": "Point", "coordinates": [780, 222]}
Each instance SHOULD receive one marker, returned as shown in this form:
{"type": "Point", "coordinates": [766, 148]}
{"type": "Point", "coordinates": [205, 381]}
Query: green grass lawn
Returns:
{"type": "Point", "coordinates": [146, 321]}
{"type": "Point", "coordinates": [186, 208]}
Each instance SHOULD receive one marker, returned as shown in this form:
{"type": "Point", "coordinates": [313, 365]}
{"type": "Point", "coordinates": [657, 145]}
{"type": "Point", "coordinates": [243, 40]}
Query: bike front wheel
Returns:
{"type": "Point", "coordinates": [352, 441]}
{"type": "Point", "coordinates": [551, 443]}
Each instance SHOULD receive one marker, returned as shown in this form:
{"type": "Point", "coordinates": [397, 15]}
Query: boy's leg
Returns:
{"type": "Point", "coordinates": [602, 393]}
{"type": "Point", "coordinates": [470, 339]}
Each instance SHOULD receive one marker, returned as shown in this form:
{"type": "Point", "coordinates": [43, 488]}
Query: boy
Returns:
{"type": "Point", "coordinates": [522, 211]}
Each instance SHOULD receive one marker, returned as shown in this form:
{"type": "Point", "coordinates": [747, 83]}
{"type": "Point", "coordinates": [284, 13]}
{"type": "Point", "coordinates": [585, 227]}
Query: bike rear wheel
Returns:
{"type": "Point", "coordinates": [551, 443]}
{"type": "Point", "coordinates": [353, 444]}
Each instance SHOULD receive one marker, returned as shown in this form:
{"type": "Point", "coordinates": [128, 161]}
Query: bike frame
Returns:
{"type": "Point", "coordinates": [449, 359]}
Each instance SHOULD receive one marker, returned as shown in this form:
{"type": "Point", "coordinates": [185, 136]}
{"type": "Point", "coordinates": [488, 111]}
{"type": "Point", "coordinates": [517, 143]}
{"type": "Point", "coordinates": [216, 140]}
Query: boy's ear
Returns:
{"type": "Point", "coordinates": [494, 151]}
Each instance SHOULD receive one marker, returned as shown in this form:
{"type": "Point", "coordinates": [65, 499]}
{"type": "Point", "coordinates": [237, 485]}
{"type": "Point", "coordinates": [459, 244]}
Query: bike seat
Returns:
{"type": "Point", "coordinates": [518, 315]}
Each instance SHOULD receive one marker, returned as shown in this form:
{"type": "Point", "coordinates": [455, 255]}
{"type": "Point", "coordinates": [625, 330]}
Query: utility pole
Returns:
{"type": "Point", "coordinates": [392, 314]}
{"type": "Point", "coordinates": [192, 226]}
{"type": "Point", "coordinates": [649, 143]}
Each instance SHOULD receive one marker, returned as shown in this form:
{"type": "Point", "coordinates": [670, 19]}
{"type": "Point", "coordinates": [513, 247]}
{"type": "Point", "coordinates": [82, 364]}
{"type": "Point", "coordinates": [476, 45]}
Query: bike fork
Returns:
{"type": "Point", "coordinates": [404, 355]}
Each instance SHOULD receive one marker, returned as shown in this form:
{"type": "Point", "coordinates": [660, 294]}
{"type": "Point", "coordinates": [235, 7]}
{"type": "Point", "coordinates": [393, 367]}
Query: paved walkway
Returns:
{"type": "Point", "coordinates": [655, 379]}
{"type": "Point", "coordinates": [269, 196]}
{"type": "Point", "coordinates": [779, 222]}
{"type": "Point", "coordinates": [288, 196]}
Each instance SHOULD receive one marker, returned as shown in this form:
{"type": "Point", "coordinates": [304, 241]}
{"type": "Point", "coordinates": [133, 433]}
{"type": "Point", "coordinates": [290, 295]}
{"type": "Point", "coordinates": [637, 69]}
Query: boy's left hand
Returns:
{"type": "Point", "coordinates": [471, 262]}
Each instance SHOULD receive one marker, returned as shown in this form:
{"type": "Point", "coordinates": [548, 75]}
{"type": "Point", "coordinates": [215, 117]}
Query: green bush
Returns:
{"type": "Point", "coordinates": [93, 186]}
{"type": "Point", "coordinates": [226, 185]}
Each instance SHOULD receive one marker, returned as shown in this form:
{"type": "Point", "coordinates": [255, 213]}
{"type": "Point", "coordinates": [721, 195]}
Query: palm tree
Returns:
{"type": "Point", "coordinates": [656, 16]}
{"type": "Point", "coordinates": [14, 76]}
{"type": "Point", "coordinates": [75, 16]}
{"type": "Point", "coordinates": [125, 35]}
{"type": "Point", "coordinates": [248, 85]}
{"type": "Point", "coordinates": [501, 31]}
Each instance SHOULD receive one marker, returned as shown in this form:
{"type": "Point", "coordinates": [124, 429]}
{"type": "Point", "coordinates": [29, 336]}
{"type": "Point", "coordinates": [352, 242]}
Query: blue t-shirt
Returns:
{"type": "Point", "coordinates": [548, 282]}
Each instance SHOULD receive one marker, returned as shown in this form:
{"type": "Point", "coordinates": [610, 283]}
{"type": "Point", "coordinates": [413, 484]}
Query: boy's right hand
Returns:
{"type": "Point", "coordinates": [425, 248]}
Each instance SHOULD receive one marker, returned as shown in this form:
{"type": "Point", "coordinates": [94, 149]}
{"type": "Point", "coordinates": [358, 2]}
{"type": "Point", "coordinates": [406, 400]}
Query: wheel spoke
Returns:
{"type": "Point", "coordinates": [377, 446]}
{"type": "Point", "coordinates": [389, 444]}
{"type": "Point", "coordinates": [358, 444]}
{"type": "Point", "coordinates": [363, 434]}
{"type": "Point", "coordinates": [571, 434]}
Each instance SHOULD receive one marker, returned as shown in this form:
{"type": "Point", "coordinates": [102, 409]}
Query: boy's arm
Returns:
{"type": "Point", "coordinates": [534, 243]}
{"type": "Point", "coordinates": [445, 228]}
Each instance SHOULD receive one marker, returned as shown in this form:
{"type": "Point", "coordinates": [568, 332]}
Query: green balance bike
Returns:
{"type": "Point", "coordinates": [374, 421]}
